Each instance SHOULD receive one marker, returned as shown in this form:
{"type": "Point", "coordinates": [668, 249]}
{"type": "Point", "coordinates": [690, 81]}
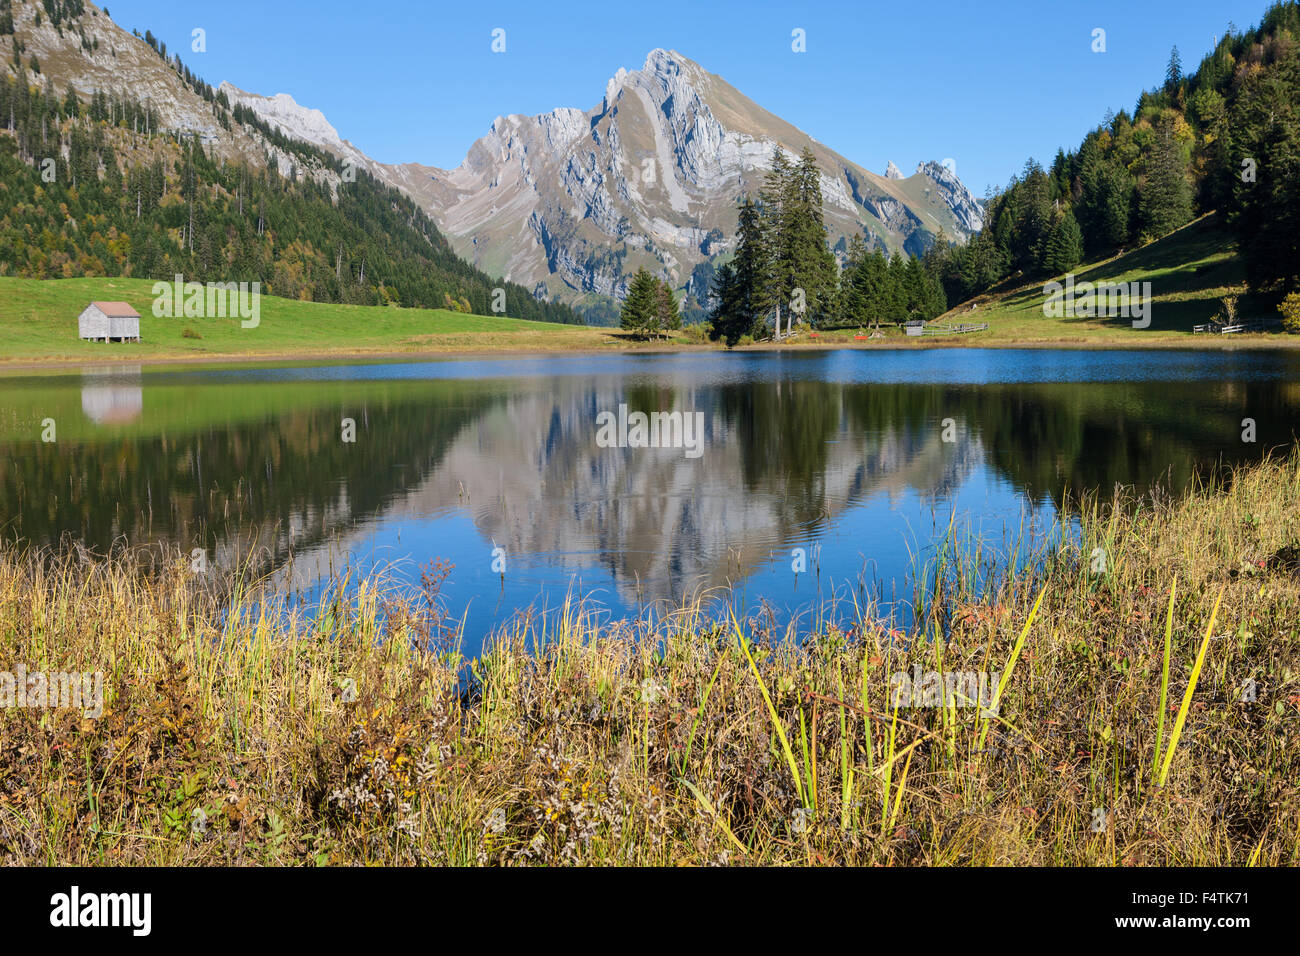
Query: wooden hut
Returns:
{"type": "Point", "coordinates": [109, 321]}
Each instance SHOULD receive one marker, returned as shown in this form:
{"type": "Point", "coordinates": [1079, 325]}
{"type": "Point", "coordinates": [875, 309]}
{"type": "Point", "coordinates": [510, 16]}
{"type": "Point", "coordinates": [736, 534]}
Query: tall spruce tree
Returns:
{"type": "Point", "coordinates": [815, 270]}
{"type": "Point", "coordinates": [1174, 71]}
{"type": "Point", "coordinates": [776, 209]}
{"type": "Point", "coordinates": [1165, 199]}
{"type": "Point", "coordinates": [799, 272]}
{"type": "Point", "coordinates": [740, 287]}
{"type": "Point", "coordinates": [1032, 218]}
{"type": "Point", "coordinates": [668, 315]}
{"type": "Point", "coordinates": [1105, 199]}
{"type": "Point", "coordinates": [640, 309]}
{"type": "Point", "coordinates": [725, 292]}
{"type": "Point", "coordinates": [852, 302]}
{"type": "Point", "coordinates": [1065, 246]}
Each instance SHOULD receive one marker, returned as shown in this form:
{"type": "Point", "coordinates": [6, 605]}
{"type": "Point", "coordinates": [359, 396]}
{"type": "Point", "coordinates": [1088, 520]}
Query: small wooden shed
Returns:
{"type": "Point", "coordinates": [108, 321]}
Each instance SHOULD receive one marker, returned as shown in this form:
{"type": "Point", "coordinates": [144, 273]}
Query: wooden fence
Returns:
{"type": "Point", "coordinates": [948, 328]}
{"type": "Point", "coordinates": [1215, 328]}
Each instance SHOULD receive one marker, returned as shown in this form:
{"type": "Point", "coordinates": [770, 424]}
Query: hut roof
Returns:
{"type": "Point", "coordinates": [117, 310]}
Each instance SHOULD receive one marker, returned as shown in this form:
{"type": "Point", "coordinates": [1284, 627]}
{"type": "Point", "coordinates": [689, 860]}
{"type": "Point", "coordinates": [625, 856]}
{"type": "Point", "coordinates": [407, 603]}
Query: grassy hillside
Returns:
{"type": "Point", "coordinates": [1190, 271]}
{"type": "Point", "coordinates": [38, 322]}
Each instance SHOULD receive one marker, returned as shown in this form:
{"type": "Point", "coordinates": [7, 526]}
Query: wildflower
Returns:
{"type": "Point", "coordinates": [651, 691]}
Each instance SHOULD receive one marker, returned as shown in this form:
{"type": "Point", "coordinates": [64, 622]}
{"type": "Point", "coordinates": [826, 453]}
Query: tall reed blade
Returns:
{"type": "Point", "coordinates": [1191, 689]}
{"type": "Point", "coordinates": [846, 768]}
{"type": "Point", "coordinates": [1011, 664]}
{"type": "Point", "coordinates": [776, 720]}
{"type": "Point", "coordinates": [1164, 678]}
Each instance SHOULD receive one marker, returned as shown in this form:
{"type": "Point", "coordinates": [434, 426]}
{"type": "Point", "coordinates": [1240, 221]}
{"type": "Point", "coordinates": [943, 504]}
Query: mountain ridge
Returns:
{"type": "Point", "coordinates": [571, 202]}
{"type": "Point", "coordinates": [128, 164]}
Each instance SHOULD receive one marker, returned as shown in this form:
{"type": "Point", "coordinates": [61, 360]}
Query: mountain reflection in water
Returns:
{"type": "Point", "coordinates": [836, 453]}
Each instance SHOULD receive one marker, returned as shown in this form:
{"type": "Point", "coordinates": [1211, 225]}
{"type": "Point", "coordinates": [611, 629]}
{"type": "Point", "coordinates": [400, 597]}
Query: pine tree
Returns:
{"type": "Point", "coordinates": [1174, 71]}
{"type": "Point", "coordinates": [1115, 196]}
{"type": "Point", "coordinates": [1033, 217]}
{"type": "Point", "coordinates": [893, 293]}
{"type": "Point", "coordinates": [853, 299]}
{"type": "Point", "coordinates": [753, 271]}
{"type": "Point", "coordinates": [793, 231]}
{"type": "Point", "coordinates": [1165, 199]}
{"type": "Point", "coordinates": [873, 280]}
{"type": "Point", "coordinates": [815, 269]}
{"type": "Point", "coordinates": [638, 315]}
{"type": "Point", "coordinates": [776, 209]}
{"type": "Point", "coordinates": [725, 294]}
{"type": "Point", "coordinates": [1104, 210]}
{"type": "Point", "coordinates": [1062, 175]}
{"type": "Point", "coordinates": [1065, 246]}
{"type": "Point", "coordinates": [668, 315]}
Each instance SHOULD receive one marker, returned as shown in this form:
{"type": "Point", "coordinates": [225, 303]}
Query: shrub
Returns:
{"type": "Point", "coordinates": [1290, 309]}
{"type": "Point", "coordinates": [1230, 307]}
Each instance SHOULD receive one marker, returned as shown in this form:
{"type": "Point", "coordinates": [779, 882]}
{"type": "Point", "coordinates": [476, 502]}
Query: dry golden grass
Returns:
{"type": "Point", "coordinates": [236, 733]}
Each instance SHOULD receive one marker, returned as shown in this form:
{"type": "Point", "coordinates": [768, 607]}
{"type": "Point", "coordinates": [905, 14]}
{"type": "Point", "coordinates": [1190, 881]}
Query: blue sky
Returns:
{"type": "Point", "coordinates": [986, 85]}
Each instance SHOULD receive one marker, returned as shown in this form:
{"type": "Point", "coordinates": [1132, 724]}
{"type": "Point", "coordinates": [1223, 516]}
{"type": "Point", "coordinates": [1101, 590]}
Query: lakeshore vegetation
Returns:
{"type": "Point", "coordinates": [1146, 711]}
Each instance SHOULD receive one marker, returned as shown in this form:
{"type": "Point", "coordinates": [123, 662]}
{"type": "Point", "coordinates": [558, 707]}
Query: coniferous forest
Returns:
{"type": "Point", "coordinates": [783, 271]}
{"type": "Point", "coordinates": [1225, 137]}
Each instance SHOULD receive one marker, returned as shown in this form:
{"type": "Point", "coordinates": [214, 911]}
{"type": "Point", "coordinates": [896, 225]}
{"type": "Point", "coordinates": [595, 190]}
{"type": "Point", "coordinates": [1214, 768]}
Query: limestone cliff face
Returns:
{"type": "Point", "coordinates": [574, 202]}
{"type": "Point", "coordinates": [966, 209]}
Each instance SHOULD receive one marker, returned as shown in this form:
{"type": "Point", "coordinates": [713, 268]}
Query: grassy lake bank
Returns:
{"type": "Point", "coordinates": [233, 733]}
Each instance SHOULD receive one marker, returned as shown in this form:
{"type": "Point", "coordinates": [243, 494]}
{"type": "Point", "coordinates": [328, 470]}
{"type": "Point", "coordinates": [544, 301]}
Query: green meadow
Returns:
{"type": "Point", "coordinates": [1190, 270]}
{"type": "Point", "coordinates": [38, 319]}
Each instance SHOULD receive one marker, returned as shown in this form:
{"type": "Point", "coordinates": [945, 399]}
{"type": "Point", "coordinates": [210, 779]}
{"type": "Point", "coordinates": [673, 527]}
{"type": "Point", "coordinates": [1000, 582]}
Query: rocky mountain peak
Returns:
{"type": "Point", "coordinates": [893, 172]}
{"type": "Point", "coordinates": [965, 207]}
{"type": "Point", "coordinates": [667, 77]}
{"type": "Point", "coordinates": [666, 62]}
{"type": "Point", "coordinates": [283, 112]}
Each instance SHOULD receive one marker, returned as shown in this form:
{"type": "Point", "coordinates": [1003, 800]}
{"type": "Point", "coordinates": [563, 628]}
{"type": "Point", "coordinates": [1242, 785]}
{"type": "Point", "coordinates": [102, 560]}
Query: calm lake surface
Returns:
{"type": "Point", "coordinates": [840, 453]}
